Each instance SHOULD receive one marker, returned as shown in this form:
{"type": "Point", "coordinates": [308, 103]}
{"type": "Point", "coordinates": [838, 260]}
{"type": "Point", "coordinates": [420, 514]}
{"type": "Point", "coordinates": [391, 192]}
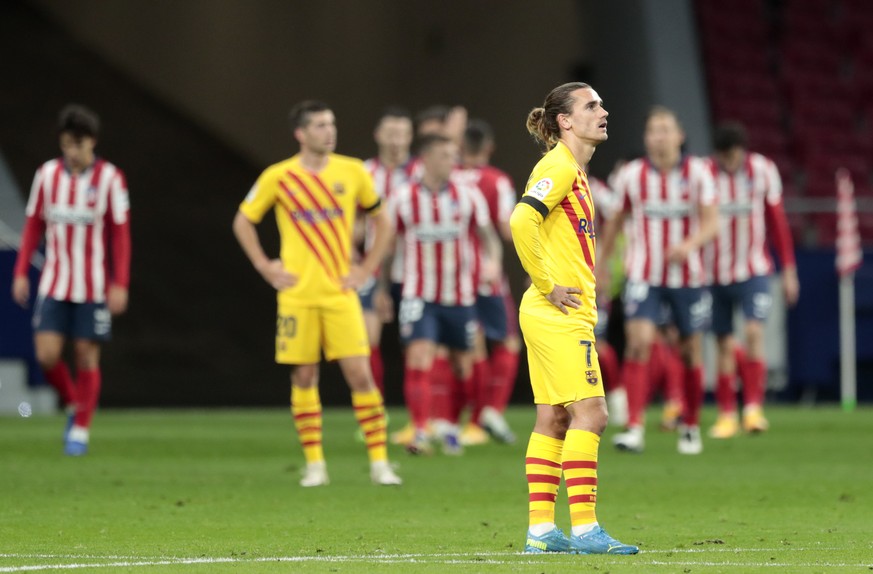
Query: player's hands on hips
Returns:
{"type": "Point", "coordinates": [790, 285]}
{"type": "Point", "coordinates": [356, 277]}
{"type": "Point", "coordinates": [563, 297]}
{"type": "Point", "coordinates": [116, 301]}
{"type": "Point", "coordinates": [678, 253]}
{"type": "Point", "coordinates": [277, 276]}
{"type": "Point", "coordinates": [21, 290]}
{"type": "Point", "coordinates": [383, 305]}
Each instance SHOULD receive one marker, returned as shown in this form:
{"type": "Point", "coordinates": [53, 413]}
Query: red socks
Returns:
{"type": "Point", "coordinates": [504, 368]}
{"type": "Point", "coordinates": [636, 384]}
{"type": "Point", "coordinates": [378, 368]}
{"type": "Point", "coordinates": [693, 395]}
{"type": "Point", "coordinates": [59, 377]}
{"type": "Point", "coordinates": [754, 382]}
{"type": "Point", "coordinates": [417, 392]}
{"type": "Point", "coordinates": [87, 396]}
{"type": "Point", "coordinates": [726, 394]}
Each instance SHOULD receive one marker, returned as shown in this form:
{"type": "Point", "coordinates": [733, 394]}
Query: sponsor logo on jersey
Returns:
{"type": "Point", "coordinates": [586, 227]}
{"type": "Point", "coordinates": [541, 188]}
{"type": "Point", "coordinates": [313, 216]}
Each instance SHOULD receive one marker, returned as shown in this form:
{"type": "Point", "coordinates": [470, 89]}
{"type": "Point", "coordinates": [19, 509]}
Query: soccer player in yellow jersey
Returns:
{"type": "Point", "coordinates": [315, 195]}
{"type": "Point", "coordinates": [552, 228]}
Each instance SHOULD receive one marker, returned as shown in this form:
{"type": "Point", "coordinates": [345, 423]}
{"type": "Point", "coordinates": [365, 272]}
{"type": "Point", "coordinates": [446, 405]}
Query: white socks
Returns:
{"type": "Point", "coordinates": [541, 528]}
{"type": "Point", "coordinates": [584, 529]}
{"type": "Point", "coordinates": [78, 434]}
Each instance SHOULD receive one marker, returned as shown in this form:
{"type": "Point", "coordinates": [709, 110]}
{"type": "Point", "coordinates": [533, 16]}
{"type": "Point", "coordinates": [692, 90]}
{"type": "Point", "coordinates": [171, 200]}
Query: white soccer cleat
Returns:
{"type": "Point", "coordinates": [689, 440]}
{"type": "Point", "coordinates": [315, 474]}
{"type": "Point", "coordinates": [631, 440]}
{"type": "Point", "coordinates": [382, 474]}
{"type": "Point", "coordinates": [616, 402]}
{"type": "Point", "coordinates": [495, 423]}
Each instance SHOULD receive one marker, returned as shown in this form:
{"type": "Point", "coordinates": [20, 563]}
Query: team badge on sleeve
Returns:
{"type": "Point", "coordinates": [541, 188]}
{"type": "Point", "coordinates": [591, 377]}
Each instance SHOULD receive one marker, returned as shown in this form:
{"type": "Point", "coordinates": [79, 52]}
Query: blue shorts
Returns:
{"type": "Point", "coordinates": [752, 295]}
{"type": "Point", "coordinates": [491, 312]}
{"type": "Point", "coordinates": [452, 326]}
{"type": "Point", "coordinates": [688, 306]}
{"type": "Point", "coordinates": [90, 321]}
{"type": "Point", "coordinates": [365, 294]}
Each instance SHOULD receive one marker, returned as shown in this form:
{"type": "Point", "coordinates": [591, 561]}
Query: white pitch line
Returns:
{"type": "Point", "coordinates": [438, 558]}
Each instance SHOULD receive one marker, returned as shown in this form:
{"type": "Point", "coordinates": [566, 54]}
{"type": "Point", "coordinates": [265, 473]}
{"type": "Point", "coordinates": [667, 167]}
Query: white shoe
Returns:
{"type": "Point", "coordinates": [689, 440]}
{"type": "Point", "coordinates": [631, 440]}
{"type": "Point", "coordinates": [315, 474]}
{"type": "Point", "coordinates": [616, 402]}
{"type": "Point", "coordinates": [495, 423]}
{"type": "Point", "coordinates": [382, 474]}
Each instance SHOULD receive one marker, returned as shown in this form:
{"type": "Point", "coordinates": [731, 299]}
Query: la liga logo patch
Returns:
{"type": "Point", "coordinates": [541, 188]}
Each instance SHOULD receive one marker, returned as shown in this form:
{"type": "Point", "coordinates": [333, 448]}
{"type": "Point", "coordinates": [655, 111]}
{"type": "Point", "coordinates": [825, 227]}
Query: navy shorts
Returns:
{"type": "Point", "coordinates": [491, 312]}
{"type": "Point", "coordinates": [365, 294]}
{"type": "Point", "coordinates": [90, 321]}
{"type": "Point", "coordinates": [752, 295]}
{"type": "Point", "coordinates": [602, 326]}
{"type": "Point", "coordinates": [449, 325]}
{"type": "Point", "coordinates": [688, 306]}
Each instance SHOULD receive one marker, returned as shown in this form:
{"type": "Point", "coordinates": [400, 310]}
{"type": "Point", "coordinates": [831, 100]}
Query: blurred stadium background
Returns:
{"type": "Point", "coordinates": [193, 96]}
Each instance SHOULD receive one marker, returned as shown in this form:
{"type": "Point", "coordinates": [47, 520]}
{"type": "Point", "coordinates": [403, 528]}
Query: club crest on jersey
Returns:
{"type": "Point", "coordinates": [338, 188]}
{"type": "Point", "coordinates": [91, 196]}
{"type": "Point", "coordinates": [591, 377]}
{"type": "Point", "coordinates": [541, 188]}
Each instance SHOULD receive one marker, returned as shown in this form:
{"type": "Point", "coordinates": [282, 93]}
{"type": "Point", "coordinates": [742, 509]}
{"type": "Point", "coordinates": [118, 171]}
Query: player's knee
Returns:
{"type": "Point", "coordinates": [304, 376]}
{"type": "Point", "coordinates": [47, 358]}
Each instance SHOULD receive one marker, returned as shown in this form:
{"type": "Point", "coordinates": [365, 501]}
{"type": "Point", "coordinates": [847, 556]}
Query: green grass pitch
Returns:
{"type": "Point", "coordinates": [216, 491]}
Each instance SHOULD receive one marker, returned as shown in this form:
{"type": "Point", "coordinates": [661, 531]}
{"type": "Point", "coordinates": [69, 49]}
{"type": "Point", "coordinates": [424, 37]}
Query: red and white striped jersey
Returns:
{"type": "Point", "coordinates": [85, 218]}
{"type": "Point", "coordinates": [664, 211]}
{"type": "Point", "coordinates": [749, 201]}
{"type": "Point", "coordinates": [440, 261]}
{"type": "Point", "coordinates": [605, 200]}
{"type": "Point", "coordinates": [386, 182]}
{"type": "Point", "coordinates": [499, 194]}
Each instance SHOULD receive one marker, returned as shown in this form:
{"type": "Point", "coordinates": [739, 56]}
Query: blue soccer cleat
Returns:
{"type": "Point", "coordinates": [75, 448]}
{"type": "Point", "coordinates": [597, 541]}
{"type": "Point", "coordinates": [71, 416]}
{"type": "Point", "coordinates": [552, 541]}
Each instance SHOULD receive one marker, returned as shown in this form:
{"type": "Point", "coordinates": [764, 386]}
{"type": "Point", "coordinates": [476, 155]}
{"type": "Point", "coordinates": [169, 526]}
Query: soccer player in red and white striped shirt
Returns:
{"type": "Point", "coordinates": [493, 372]}
{"type": "Point", "coordinates": [392, 168]}
{"type": "Point", "coordinates": [670, 198]}
{"type": "Point", "coordinates": [79, 203]}
{"type": "Point", "coordinates": [438, 220]}
{"type": "Point", "coordinates": [738, 266]}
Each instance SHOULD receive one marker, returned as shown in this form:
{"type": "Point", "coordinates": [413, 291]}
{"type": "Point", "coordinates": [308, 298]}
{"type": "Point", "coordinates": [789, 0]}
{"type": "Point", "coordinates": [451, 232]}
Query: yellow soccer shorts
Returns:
{"type": "Point", "coordinates": [334, 324]}
{"type": "Point", "coordinates": [562, 360]}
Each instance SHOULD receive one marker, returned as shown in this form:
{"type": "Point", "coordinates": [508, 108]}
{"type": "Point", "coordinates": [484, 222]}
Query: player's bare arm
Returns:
{"type": "Point", "coordinates": [116, 300]}
{"type": "Point", "coordinates": [382, 239]}
{"type": "Point", "coordinates": [605, 247]}
{"type": "Point", "coordinates": [491, 266]}
{"type": "Point", "coordinates": [21, 291]}
{"type": "Point", "coordinates": [790, 285]}
{"type": "Point", "coordinates": [706, 232]}
{"type": "Point", "coordinates": [272, 270]}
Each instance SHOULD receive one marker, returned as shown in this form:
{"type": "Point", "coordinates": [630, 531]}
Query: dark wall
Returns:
{"type": "Point", "coordinates": [193, 96]}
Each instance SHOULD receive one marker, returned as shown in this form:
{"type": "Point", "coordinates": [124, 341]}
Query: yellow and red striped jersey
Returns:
{"type": "Point", "coordinates": [558, 210]}
{"type": "Point", "coordinates": [315, 213]}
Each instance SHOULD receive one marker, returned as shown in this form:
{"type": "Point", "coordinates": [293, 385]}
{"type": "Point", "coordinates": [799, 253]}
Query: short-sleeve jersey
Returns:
{"type": "Point", "coordinates": [499, 193]}
{"type": "Point", "coordinates": [559, 195]}
{"type": "Point", "coordinates": [441, 263]}
{"type": "Point", "coordinates": [315, 213]}
{"type": "Point", "coordinates": [664, 208]}
{"type": "Point", "coordinates": [739, 251]}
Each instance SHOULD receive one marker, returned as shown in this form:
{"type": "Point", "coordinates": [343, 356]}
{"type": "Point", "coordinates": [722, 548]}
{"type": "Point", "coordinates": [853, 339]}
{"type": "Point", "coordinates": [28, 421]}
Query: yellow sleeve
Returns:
{"type": "Point", "coordinates": [524, 224]}
{"type": "Point", "coordinates": [261, 198]}
{"type": "Point", "coordinates": [368, 199]}
{"type": "Point", "coordinates": [543, 194]}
